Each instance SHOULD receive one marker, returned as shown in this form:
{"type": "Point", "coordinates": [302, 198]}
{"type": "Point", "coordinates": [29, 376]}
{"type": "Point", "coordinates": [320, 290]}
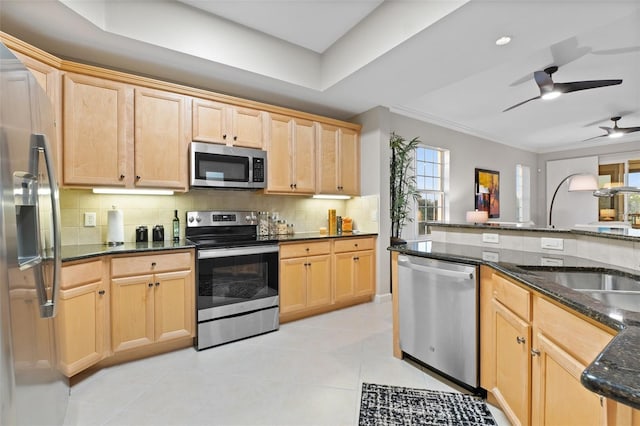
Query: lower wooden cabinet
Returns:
{"type": "Point", "coordinates": [110, 305]}
{"type": "Point", "coordinates": [319, 276]}
{"type": "Point", "coordinates": [533, 353]}
{"type": "Point", "coordinates": [82, 326]}
{"type": "Point", "coordinates": [152, 299]}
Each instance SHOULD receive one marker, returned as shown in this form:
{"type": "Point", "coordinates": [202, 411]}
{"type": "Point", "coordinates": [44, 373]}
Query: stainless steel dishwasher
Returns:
{"type": "Point", "coordinates": [438, 314]}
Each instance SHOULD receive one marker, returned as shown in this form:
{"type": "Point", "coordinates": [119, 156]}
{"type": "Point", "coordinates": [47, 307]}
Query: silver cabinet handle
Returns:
{"type": "Point", "coordinates": [520, 340]}
{"type": "Point", "coordinates": [535, 352]}
{"type": "Point", "coordinates": [48, 307]}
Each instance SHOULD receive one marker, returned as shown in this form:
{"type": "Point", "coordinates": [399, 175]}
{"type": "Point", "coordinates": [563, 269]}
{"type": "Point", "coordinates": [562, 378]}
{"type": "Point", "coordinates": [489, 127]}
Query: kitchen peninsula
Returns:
{"type": "Point", "coordinates": [540, 340]}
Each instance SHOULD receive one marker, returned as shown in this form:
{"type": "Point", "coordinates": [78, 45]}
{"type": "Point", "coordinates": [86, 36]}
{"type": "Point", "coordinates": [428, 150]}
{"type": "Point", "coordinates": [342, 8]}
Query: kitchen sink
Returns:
{"type": "Point", "coordinates": [614, 289]}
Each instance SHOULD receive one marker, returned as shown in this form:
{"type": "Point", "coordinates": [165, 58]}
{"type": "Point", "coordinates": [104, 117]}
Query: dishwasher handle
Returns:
{"type": "Point", "coordinates": [406, 262]}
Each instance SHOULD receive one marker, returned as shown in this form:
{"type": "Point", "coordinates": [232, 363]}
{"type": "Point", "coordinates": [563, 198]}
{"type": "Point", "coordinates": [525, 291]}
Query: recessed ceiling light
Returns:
{"type": "Point", "coordinates": [503, 40]}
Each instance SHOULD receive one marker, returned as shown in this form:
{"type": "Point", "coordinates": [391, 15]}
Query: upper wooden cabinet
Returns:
{"type": "Point", "coordinates": [101, 147]}
{"type": "Point", "coordinates": [338, 160]}
{"type": "Point", "coordinates": [217, 122]}
{"type": "Point", "coordinates": [162, 139]}
{"type": "Point", "coordinates": [98, 131]}
{"type": "Point", "coordinates": [291, 156]}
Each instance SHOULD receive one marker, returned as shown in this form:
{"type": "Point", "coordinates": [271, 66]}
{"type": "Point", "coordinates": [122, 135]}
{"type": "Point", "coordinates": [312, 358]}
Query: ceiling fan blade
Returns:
{"type": "Point", "coordinates": [595, 137]}
{"type": "Point", "coordinates": [521, 103]}
{"type": "Point", "coordinates": [629, 129]}
{"type": "Point", "coordinates": [606, 129]}
{"type": "Point", "coordinates": [584, 85]}
{"type": "Point", "coordinates": [543, 80]}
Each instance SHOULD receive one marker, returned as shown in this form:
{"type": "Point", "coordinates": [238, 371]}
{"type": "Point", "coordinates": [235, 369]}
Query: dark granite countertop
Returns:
{"type": "Point", "coordinates": [85, 251]}
{"type": "Point", "coordinates": [626, 234]}
{"type": "Point", "coordinates": [615, 373]}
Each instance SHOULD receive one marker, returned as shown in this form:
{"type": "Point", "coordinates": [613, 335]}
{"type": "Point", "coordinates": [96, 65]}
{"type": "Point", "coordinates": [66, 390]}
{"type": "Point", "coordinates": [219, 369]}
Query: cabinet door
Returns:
{"type": "Point", "coordinates": [247, 127]}
{"type": "Point", "coordinates": [278, 155]}
{"type": "Point", "coordinates": [173, 304]}
{"type": "Point", "coordinates": [344, 276]}
{"type": "Point", "coordinates": [208, 122]}
{"type": "Point", "coordinates": [162, 136]}
{"type": "Point", "coordinates": [349, 162]}
{"type": "Point", "coordinates": [293, 285]}
{"type": "Point", "coordinates": [304, 156]}
{"type": "Point", "coordinates": [318, 280]}
{"type": "Point", "coordinates": [558, 396]}
{"type": "Point", "coordinates": [132, 312]}
{"type": "Point", "coordinates": [511, 357]}
{"type": "Point", "coordinates": [327, 164]}
{"type": "Point", "coordinates": [80, 326]}
{"type": "Point", "coordinates": [364, 273]}
{"type": "Point", "coordinates": [98, 128]}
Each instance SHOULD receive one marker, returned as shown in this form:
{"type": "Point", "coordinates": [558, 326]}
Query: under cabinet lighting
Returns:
{"type": "Point", "coordinates": [331, 197]}
{"type": "Point", "coordinates": [124, 191]}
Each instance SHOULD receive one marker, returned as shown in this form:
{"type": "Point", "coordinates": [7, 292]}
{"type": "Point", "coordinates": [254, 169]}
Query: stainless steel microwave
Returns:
{"type": "Point", "coordinates": [221, 166]}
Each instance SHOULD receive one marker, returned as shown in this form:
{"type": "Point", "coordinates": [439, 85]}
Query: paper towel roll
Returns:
{"type": "Point", "coordinates": [115, 227]}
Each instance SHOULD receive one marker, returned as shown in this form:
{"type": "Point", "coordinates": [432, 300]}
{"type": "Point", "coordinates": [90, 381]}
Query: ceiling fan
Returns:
{"type": "Point", "coordinates": [550, 90]}
{"type": "Point", "coordinates": [615, 131]}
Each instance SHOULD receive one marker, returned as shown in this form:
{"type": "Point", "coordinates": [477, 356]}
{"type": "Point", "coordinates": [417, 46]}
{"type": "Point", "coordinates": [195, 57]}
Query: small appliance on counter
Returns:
{"type": "Point", "coordinates": [142, 234]}
{"type": "Point", "coordinates": [158, 233]}
{"type": "Point", "coordinates": [115, 227]}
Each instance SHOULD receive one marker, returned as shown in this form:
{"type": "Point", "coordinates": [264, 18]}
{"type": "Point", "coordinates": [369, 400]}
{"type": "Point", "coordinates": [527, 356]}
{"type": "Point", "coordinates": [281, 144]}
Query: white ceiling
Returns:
{"type": "Point", "coordinates": [432, 60]}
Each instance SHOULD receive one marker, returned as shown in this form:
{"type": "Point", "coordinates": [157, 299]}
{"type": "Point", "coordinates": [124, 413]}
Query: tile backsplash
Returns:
{"type": "Point", "coordinates": [307, 214]}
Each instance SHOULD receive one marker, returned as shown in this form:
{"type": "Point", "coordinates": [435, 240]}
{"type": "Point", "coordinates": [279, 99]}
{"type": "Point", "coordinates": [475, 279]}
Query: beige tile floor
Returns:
{"type": "Point", "coordinates": [309, 372]}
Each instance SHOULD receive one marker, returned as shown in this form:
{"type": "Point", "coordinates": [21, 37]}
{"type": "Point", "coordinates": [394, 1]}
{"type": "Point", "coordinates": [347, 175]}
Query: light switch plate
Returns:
{"type": "Point", "coordinates": [90, 219]}
{"type": "Point", "coordinates": [490, 256]}
{"type": "Point", "coordinates": [490, 238]}
{"type": "Point", "coordinates": [552, 243]}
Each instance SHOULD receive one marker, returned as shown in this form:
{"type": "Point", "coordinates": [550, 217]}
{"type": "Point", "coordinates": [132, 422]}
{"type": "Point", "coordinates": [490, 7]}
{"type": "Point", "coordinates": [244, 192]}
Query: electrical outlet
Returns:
{"type": "Point", "coordinates": [490, 238]}
{"type": "Point", "coordinates": [552, 243]}
{"type": "Point", "coordinates": [90, 219]}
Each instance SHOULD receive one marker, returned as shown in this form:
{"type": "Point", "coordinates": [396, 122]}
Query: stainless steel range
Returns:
{"type": "Point", "coordinates": [237, 277]}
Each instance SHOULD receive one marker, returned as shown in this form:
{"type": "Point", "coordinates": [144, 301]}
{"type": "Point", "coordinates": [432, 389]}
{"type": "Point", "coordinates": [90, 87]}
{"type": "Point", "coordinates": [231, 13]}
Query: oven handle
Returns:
{"type": "Point", "coordinates": [236, 251]}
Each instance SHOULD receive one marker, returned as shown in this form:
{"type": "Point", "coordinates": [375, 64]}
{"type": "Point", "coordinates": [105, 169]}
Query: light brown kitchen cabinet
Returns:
{"type": "Point", "coordinates": [338, 160]}
{"type": "Point", "coordinates": [152, 299]}
{"type": "Point", "coordinates": [216, 122]}
{"type": "Point", "coordinates": [162, 136]}
{"type": "Point", "coordinates": [533, 353]}
{"type": "Point", "coordinates": [354, 268]}
{"type": "Point", "coordinates": [82, 321]}
{"type": "Point", "coordinates": [506, 345]}
{"type": "Point", "coordinates": [305, 276]}
{"type": "Point", "coordinates": [98, 132]}
{"type": "Point", "coordinates": [291, 156]}
{"type": "Point", "coordinates": [48, 77]}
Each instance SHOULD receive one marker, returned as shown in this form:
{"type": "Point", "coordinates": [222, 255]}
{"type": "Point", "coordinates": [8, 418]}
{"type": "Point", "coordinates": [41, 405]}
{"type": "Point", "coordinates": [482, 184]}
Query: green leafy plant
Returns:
{"type": "Point", "coordinates": [402, 183]}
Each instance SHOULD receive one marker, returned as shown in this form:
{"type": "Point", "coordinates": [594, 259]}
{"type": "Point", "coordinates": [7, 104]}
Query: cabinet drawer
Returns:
{"type": "Point", "coordinates": [516, 298]}
{"type": "Point", "coordinates": [353, 244]}
{"type": "Point", "coordinates": [581, 339]}
{"type": "Point", "coordinates": [304, 249]}
{"type": "Point", "coordinates": [133, 265]}
{"type": "Point", "coordinates": [81, 273]}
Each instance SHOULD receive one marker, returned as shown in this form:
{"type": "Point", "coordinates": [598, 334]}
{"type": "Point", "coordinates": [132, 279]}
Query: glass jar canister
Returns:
{"type": "Point", "coordinates": [263, 224]}
{"type": "Point", "coordinates": [282, 227]}
{"type": "Point", "coordinates": [290, 229]}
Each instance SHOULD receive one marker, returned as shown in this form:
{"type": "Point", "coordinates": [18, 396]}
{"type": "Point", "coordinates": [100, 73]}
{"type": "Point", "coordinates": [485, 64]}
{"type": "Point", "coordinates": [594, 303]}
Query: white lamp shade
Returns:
{"type": "Point", "coordinates": [476, 216]}
{"type": "Point", "coordinates": [584, 182]}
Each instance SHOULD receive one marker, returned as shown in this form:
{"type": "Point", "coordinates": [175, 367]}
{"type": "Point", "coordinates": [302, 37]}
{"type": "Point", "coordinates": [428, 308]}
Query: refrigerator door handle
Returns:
{"type": "Point", "coordinates": [48, 307]}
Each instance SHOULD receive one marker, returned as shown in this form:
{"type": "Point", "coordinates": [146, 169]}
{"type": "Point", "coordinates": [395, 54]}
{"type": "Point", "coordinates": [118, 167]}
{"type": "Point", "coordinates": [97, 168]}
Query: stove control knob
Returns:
{"type": "Point", "coordinates": [248, 218]}
{"type": "Point", "coordinates": [198, 219]}
{"type": "Point", "coordinates": [190, 219]}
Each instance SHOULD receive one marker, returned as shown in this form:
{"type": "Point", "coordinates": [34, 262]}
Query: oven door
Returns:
{"type": "Point", "coordinates": [236, 280]}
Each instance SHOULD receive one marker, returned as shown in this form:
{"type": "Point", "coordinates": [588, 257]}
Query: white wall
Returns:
{"type": "Point", "coordinates": [468, 153]}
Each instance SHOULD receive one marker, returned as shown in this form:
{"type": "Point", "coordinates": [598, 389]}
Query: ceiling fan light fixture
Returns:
{"type": "Point", "coordinates": [614, 135]}
{"type": "Point", "coordinates": [550, 95]}
{"type": "Point", "coordinates": [503, 40]}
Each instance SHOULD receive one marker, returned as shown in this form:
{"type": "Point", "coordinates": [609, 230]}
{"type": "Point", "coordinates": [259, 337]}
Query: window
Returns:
{"type": "Point", "coordinates": [431, 182]}
{"type": "Point", "coordinates": [619, 171]}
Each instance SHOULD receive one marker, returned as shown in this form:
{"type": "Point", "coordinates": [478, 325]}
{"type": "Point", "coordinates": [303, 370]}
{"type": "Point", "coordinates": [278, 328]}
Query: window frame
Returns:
{"type": "Point", "coordinates": [442, 163]}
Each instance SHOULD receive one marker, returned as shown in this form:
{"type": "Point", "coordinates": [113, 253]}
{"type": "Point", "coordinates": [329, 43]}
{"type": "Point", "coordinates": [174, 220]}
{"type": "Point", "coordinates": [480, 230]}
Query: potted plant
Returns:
{"type": "Point", "coordinates": [402, 185]}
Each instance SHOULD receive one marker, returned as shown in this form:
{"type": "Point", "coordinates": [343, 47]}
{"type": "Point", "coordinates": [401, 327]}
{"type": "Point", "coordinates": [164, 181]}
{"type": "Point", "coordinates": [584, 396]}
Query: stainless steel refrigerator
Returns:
{"type": "Point", "coordinates": [32, 390]}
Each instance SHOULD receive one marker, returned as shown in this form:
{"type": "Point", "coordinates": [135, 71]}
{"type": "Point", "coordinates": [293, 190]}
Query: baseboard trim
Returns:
{"type": "Point", "coordinates": [381, 298]}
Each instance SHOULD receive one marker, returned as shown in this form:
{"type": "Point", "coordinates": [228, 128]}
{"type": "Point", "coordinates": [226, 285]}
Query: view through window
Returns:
{"type": "Point", "coordinates": [621, 206]}
{"type": "Point", "coordinates": [430, 183]}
